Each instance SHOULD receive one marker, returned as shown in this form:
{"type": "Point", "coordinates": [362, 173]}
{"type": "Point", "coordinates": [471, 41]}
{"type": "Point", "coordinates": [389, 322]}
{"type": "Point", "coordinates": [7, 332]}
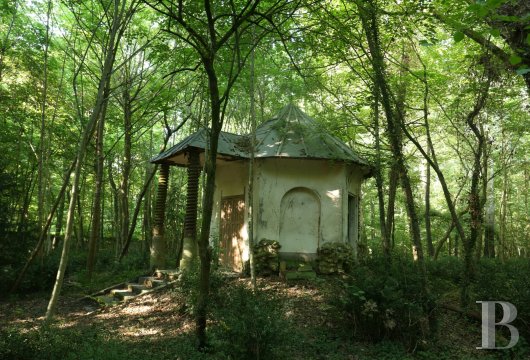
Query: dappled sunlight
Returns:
{"type": "Point", "coordinates": [334, 196]}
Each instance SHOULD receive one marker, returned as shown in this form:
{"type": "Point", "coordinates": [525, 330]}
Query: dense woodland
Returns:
{"type": "Point", "coordinates": [435, 94]}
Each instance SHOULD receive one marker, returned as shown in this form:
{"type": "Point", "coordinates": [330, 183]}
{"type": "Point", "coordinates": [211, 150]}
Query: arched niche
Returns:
{"type": "Point", "coordinates": [299, 221]}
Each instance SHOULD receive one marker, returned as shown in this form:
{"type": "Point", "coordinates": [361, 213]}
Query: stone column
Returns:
{"type": "Point", "coordinates": [158, 245]}
{"type": "Point", "coordinates": [189, 245]}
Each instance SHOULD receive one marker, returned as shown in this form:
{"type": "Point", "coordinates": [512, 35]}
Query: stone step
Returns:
{"type": "Point", "coordinates": [137, 288]}
{"type": "Point", "coordinates": [151, 281]}
{"type": "Point", "coordinates": [123, 294]}
{"type": "Point", "coordinates": [305, 268]}
{"type": "Point", "coordinates": [300, 275]}
{"type": "Point", "coordinates": [106, 300]}
{"type": "Point", "coordinates": [170, 274]}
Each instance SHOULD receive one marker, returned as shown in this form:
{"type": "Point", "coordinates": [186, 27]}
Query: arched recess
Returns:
{"type": "Point", "coordinates": [300, 221]}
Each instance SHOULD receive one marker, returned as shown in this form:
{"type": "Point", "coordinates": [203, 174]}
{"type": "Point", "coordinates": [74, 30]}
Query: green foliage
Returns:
{"type": "Point", "coordinates": [89, 343]}
{"type": "Point", "coordinates": [55, 343]}
{"type": "Point", "coordinates": [515, 59]}
{"type": "Point", "coordinates": [458, 36]}
{"type": "Point", "coordinates": [249, 325]}
{"type": "Point", "coordinates": [384, 301]}
{"type": "Point", "coordinates": [189, 287]}
{"type": "Point", "coordinates": [507, 281]}
{"type": "Point", "coordinates": [14, 252]}
{"type": "Point", "coordinates": [447, 268]}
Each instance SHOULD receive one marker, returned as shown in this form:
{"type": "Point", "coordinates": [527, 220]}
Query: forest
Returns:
{"type": "Point", "coordinates": [433, 94]}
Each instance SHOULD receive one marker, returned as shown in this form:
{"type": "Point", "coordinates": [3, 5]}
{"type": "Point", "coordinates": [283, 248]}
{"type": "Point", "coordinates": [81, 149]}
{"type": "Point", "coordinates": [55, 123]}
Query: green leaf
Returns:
{"type": "Point", "coordinates": [425, 43]}
{"type": "Point", "coordinates": [514, 59]}
{"type": "Point", "coordinates": [522, 71]}
{"type": "Point", "coordinates": [495, 32]}
{"type": "Point", "coordinates": [458, 36]}
{"type": "Point", "coordinates": [528, 39]}
{"type": "Point", "coordinates": [483, 11]}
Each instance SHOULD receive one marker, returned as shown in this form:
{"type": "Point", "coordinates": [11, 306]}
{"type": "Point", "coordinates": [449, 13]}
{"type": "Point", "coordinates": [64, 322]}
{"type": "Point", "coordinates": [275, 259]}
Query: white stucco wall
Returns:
{"type": "Point", "coordinates": [274, 178]}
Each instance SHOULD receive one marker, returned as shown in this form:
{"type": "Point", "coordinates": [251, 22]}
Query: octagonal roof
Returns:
{"type": "Point", "coordinates": [289, 134]}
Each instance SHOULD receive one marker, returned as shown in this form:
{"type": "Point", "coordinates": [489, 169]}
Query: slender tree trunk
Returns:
{"type": "Point", "coordinates": [146, 190]}
{"type": "Point", "coordinates": [123, 190]}
{"type": "Point", "coordinates": [526, 194]}
{"type": "Point", "coordinates": [369, 22]}
{"type": "Point", "coordinates": [474, 200]}
{"type": "Point", "coordinates": [41, 177]}
{"type": "Point", "coordinates": [250, 206]}
{"type": "Point", "coordinates": [446, 237]}
{"type": "Point", "coordinates": [115, 208]}
{"type": "Point", "coordinates": [428, 232]}
{"type": "Point", "coordinates": [489, 226]}
{"type": "Point", "coordinates": [104, 84]}
{"type": "Point", "coordinates": [146, 187]}
{"type": "Point", "coordinates": [205, 251]}
{"type": "Point", "coordinates": [5, 43]}
{"type": "Point", "coordinates": [59, 222]}
{"type": "Point", "coordinates": [504, 203]}
{"type": "Point", "coordinates": [96, 209]}
{"type": "Point", "coordinates": [383, 224]}
{"type": "Point", "coordinates": [392, 187]}
{"type": "Point", "coordinates": [80, 222]}
{"type": "Point", "coordinates": [59, 200]}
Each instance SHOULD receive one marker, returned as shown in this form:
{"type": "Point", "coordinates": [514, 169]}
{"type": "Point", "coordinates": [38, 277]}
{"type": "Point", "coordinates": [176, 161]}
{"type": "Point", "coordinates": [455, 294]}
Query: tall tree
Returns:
{"type": "Point", "coordinates": [394, 118]}
{"type": "Point", "coordinates": [119, 17]}
{"type": "Point", "coordinates": [212, 29]}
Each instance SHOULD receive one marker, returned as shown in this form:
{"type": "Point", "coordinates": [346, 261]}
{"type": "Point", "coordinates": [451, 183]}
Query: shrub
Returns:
{"type": "Point", "coordinates": [189, 287]}
{"type": "Point", "coordinates": [248, 325]}
{"type": "Point", "coordinates": [506, 281]}
{"type": "Point", "coordinates": [385, 301]}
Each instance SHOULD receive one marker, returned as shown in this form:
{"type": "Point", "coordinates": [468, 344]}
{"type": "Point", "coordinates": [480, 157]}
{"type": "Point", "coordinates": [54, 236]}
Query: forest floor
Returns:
{"type": "Point", "coordinates": [160, 325]}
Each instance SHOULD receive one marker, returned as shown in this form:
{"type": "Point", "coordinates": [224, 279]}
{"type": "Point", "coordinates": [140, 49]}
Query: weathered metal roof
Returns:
{"type": "Point", "coordinates": [289, 134]}
{"type": "Point", "coordinates": [292, 133]}
{"type": "Point", "coordinates": [231, 145]}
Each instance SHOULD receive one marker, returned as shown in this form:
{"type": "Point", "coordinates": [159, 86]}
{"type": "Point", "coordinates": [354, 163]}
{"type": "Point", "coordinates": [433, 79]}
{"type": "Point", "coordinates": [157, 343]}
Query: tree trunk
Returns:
{"type": "Point", "coordinates": [59, 200]}
{"type": "Point", "coordinates": [367, 12]}
{"type": "Point", "coordinates": [96, 209]}
{"type": "Point", "coordinates": [526, 191]}
{"type": "Point", "coordinates": [504, 202]}
{"type": "Point", "coordinates": [59, 221]}
{"type": "Point", "coordinates": [104, 83]}
{"type": "Point", "coordinates": [123, 190]}
{"type": "Point", "coordinates": [392, 187]}
{"type": "Point", "coordinates": [146, 192]}
{"type": "Point", "coordinates": [489, 226]}
{"type": "Point", "coordinates": [205, 251]}
{"type": "Point", "coordinates": [428, 232]}
{"type": "Point", "coordinates": [158, 246]}
{"type": "Point", "coordinates": [474, 201]}
{"type": "Point", "coordinates": [115, 208]}
{"type": "Point", "coordinates": [41, 177]}
{"type": "Point", "coordinates": [446, 237]}
{"type": "Point", "coordinates": [250, 197]}
{"type": "Point", "coordinates": [385, 238]}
